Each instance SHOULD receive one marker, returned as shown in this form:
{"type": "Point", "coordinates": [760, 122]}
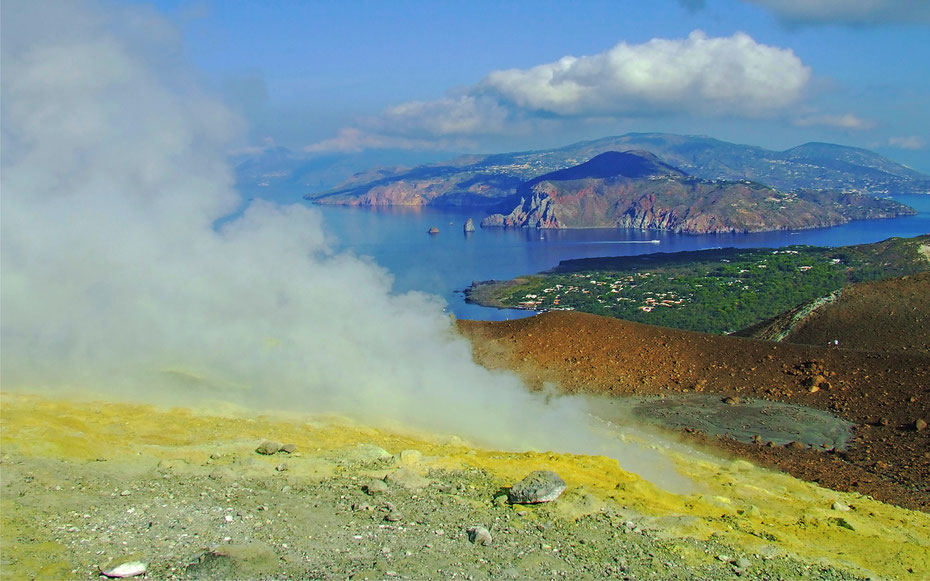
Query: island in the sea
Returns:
{"type": "Point", "coordinates": [635, 189]}
{"type": "Point", "coordinates": [668, 182]}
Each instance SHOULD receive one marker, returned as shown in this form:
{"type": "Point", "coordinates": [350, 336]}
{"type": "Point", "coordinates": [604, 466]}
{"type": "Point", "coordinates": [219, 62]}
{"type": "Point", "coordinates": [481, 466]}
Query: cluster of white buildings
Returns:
{"type": "Point", "coordinates": [533, 301]}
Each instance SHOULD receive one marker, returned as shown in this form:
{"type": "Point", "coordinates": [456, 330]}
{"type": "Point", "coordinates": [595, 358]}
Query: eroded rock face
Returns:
{"type": "Point", "coordinates": [539, 211]}
{"type": "Point", "coordinates": [646, 213]}
{"type": "Point", "coordinates": [464, 190]}
{"type": "Point", "coordinates": [662, 198]}
{"type": "Point", "coordinates": [399, 194]}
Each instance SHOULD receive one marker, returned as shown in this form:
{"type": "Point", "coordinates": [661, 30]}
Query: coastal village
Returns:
{"type": "Point", "coordinates": [650, 301]}
{"type": "Point", "coordinates": [736, 285]}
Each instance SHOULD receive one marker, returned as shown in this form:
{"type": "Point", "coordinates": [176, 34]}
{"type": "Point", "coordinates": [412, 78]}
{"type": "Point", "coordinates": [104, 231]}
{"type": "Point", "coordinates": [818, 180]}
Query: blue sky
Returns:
{"type": "Point", "coordinates": [492, 76]}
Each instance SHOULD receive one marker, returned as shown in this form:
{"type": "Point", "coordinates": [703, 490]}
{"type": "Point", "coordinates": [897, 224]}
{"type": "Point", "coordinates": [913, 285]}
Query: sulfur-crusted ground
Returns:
{"type": "Point", "coordinates": [91, 485]}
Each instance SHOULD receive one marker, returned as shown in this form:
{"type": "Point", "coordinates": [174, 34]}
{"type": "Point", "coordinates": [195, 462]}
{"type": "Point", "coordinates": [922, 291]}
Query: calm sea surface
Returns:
{"type": "Point", "coordinates": [446, 263]}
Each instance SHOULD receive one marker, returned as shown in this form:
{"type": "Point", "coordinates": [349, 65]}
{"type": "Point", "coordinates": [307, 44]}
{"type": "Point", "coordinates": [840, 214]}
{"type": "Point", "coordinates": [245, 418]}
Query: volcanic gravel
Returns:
{"type": "Point", "coordinates": [886, 395]}
{"type": "Point", "coordinates": [222, 520]}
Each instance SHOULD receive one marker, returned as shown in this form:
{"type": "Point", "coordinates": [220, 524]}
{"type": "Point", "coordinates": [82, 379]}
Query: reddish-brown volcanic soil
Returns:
{"type": "Point", "coordinates": [888, 316]}
{"type": "Point", "coordinates": [884, 394]}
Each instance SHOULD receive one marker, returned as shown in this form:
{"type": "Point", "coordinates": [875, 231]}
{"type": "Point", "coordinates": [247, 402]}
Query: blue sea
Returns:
{"type": "Point", "coordinates": [446, 263]}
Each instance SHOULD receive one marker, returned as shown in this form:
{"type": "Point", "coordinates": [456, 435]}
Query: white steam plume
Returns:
{"type": "Point", "coordinates": [114, 278]}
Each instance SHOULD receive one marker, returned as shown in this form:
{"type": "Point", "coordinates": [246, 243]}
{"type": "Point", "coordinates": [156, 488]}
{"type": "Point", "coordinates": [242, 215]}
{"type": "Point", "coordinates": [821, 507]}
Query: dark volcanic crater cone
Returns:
{"type": "Point", "coordinates": [628, 164]}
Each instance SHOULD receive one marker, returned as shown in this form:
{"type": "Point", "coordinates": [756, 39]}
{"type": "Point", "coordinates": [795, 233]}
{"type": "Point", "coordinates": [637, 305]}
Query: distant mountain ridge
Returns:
{"type": "Point", "coordinates": [484, 180]}
{"type": "Point", "coordinates": [637, 190]}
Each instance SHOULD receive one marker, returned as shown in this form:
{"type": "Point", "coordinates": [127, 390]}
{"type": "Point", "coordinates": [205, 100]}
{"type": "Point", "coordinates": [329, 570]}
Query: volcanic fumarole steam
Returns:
{"type": "Point", "coordinates": [116, 279]}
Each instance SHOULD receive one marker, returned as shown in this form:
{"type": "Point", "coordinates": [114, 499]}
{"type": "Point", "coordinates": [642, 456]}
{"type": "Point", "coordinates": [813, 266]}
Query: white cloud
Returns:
{"type": "Point", "coordinates": [847, 121]}
{"type": "Point", "coordinates": [444, 124]}
{"type": "Point", "coordinates": [850, 12]}
{"type": "Point", "coordinates": [907, 142]}
{"type": "Point", "coordinates": [733, 74]}
{"type": "Point", "coordinates": [461, 115]}
{"type": "Point", "coordinates": [727, 76]}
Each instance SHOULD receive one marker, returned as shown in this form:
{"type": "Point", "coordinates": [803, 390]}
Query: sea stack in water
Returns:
{"type": "Point", "coordinates": [434, 230]}
{"type": "Point", "coordinates": [469, 225]}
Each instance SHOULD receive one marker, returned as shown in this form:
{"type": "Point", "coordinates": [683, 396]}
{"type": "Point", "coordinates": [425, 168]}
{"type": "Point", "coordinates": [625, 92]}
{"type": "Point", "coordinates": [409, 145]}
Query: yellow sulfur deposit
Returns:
{"type": "Point", "coordinates": [744, 506]}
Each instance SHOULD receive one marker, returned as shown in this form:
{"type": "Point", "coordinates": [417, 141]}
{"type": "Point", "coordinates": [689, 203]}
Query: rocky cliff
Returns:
{"type": "Point", "coordinates": [456, 189]}
{"type": "Point", "coordinates": [635, 190]}
{"type": "Point", "coordinates": [536, 212]}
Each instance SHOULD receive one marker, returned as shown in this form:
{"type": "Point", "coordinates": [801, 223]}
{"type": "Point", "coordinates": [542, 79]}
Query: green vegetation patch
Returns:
{"type": "Point", "coordinates": [714, 291]}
